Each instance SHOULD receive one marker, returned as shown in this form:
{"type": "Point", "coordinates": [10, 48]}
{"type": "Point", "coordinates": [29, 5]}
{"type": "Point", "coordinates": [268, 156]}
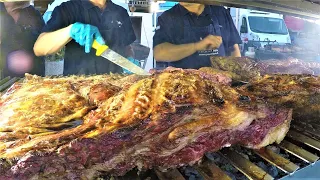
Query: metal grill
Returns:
{"type": "Point", "coordinates": [5, 83]}
{"type": "Point", "coordinates": [302, 144]}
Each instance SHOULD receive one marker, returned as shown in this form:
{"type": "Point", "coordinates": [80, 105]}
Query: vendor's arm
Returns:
{"type": "Point", "coordinates": [236, 51]}
{"type": "Point", "coordinates": [60, 30]}
{"type": "Point", "coordinates": [51, 42]}
{"type": "Point", "coordinates": [170, 52]}
{"type": "Point", "coordinates": [55, 35]}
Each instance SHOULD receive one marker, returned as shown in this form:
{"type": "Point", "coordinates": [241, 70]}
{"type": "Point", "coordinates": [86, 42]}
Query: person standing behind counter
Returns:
{"type": "Point", "coordinates": [21, 25]}
{"type": "Point", "coordinates": [188, 34]}
{"type": "Point", "coordinates": [77, 23]}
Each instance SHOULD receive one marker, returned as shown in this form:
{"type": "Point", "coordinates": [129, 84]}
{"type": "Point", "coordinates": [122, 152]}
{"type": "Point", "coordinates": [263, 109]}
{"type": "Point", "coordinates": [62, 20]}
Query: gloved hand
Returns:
{"type": "Point", "coordinates": [136, 62]}
{"type": "Point", "coordinates": [84, 34]}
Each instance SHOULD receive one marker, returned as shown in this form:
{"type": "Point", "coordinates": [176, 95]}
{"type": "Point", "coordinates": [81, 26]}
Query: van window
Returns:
{"type": "Point", "coordinates": [267, 25]}
{"type": "Point", "coordinates": [244, 22]}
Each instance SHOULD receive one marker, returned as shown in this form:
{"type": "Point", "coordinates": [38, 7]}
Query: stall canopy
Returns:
{"type": "Point", "coordinates": [294, 23]}
{"type": "Point", "coordinates": [302, 8]}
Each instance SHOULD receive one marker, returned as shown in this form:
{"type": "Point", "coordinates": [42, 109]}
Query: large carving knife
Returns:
{"type": "Point", "coordinates": [106, 52]}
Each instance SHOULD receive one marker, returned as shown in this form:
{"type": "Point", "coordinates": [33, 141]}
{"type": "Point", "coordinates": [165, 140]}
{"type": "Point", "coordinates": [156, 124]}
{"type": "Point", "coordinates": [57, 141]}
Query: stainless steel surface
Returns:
{"type": "Point", "coordinates": [304, 139]}
{"type": "Point", "coordinates": [277, 160]}
{"type": "Point", "coordinates": [307, 128]}
{"type": "Point", "coordinates": [249, 169]}
{"type": "Point", "coordinates": [4, 80]}
{"type": "Point", "coordinates": [311, 172]}
{"type": "Point", "coordinates": [123, 62]}
{"type": "Point", "coordinates": [170, 174]}
{"type": "Point", "coordinates": [210, 171]}
{"type": "Point", "coordinates": [298, 152]}
{"type": "Point", "coordinates": [7, 84]}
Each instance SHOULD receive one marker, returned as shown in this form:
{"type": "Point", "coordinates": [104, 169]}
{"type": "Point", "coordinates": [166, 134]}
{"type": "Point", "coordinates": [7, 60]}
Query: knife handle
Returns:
{"type": "Point", "coordinates": [99, 47]}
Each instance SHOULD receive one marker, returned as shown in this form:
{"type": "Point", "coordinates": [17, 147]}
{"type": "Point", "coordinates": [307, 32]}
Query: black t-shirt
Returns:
{"type": "Point", "coordinates": [113, 23]}
{"type": "Point", "coordinates": [21, 36]}
{"type": "Point", "coordinates": [171, 26]}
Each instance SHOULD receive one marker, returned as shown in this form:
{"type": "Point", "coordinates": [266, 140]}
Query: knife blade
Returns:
{"type": "Point", "coordinates": [107, 53]}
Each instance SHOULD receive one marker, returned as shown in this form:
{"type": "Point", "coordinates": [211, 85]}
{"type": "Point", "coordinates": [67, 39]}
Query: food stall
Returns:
{"type": "Point", "coordinates": [239, 119]}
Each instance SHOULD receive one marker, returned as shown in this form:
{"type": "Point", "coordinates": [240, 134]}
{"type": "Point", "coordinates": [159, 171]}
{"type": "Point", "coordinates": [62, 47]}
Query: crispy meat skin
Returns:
{"type": "Point", "coordinates": [246, 69]}
{"type": "Point", "coordinates": [300, 92]}
{"type": "Point", "coordinates": [35, 108]}
{"type": "Point", "coordinates": [166, 120]}
{"type": "Point", "coordinates": [243, 68]}
{"type": "Point", "coordinates": [297, 91]}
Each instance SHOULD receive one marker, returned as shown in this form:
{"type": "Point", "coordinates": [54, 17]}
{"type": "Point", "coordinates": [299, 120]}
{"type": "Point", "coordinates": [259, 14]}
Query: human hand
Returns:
{"type": "Point", "coordinates": [209, 42]}
{"type": "Point", "coordinates": [84, 34]}
{"type": "Point", "coordinates": [134, 61]}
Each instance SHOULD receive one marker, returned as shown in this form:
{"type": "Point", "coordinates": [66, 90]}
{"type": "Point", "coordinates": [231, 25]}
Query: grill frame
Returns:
{"type": "Point", "coordinates": [299, 132]}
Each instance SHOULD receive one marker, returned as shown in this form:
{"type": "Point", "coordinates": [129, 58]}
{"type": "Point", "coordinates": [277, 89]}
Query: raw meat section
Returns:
{"type": "Point", "coordinates": [169, 119]}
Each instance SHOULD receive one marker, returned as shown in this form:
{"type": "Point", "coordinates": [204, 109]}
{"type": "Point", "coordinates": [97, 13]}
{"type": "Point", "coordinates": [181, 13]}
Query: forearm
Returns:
{"type": "Point", "coordinates": [167, 52]}
{"type": "Point", "coordinates": [236, 51]}
{"type": "Point", "coordinates": [52, 42]}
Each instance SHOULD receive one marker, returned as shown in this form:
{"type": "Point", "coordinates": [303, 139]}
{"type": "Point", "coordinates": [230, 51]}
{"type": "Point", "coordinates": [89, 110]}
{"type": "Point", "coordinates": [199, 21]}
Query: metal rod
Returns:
{"type": "Point", "coordinates": [277, 160]}
{"type": "Point", "coordinates": [210, 171]}
{"type": "Point", "coordinates": [304, 139]}
{"type": "Point", "coordinates": [307, 129]}
{"type": "Point", "coordinates": [250, 170]}
{"type": "Point", "coordinates": [172, 174]}
{"type": "Point", "coordinates": [8, 84]}
{"type": "Point", "coordinates": [4, 80]}
{"type": "Point", "coordinates": [298, 152]}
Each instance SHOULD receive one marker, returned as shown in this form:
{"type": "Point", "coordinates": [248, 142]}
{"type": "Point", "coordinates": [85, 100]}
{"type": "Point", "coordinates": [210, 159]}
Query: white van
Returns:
{"type": "Point", "coordinates": [258, 27]}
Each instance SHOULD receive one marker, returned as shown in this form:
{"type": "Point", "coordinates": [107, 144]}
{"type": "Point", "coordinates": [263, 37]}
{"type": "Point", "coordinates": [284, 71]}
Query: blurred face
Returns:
{"type": "Point", "coordinates": [189, 5]}
{"type": "Point", "coordinates": [19, 62]}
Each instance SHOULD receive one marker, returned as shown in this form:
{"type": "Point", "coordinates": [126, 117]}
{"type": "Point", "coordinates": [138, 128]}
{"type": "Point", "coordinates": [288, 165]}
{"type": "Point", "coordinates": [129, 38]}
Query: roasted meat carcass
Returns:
{"type": "Point", "coordinates": [300, 92]}
{"type": "Point", "coordinates": [288, 66]}
{"type": "Point", "coordinates": [166, 120]}
{"type": "Point", "coordinates": [246, 69]}
{"type": "Point", "coordinates": [240, 69]}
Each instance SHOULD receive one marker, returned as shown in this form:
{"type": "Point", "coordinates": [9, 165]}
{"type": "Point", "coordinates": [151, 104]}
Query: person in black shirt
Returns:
{"type": "Point", "coordinates": [189, 33]}
{"type": "Point", "coordinates": [21, 25]}
{"type": "Point", "coordinates": [75, 24]}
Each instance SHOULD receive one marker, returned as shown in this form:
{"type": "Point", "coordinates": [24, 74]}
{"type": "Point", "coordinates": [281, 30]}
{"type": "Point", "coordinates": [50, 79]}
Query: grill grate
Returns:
{"type": "Point", "coordinates": [302, 142]}
{"type": "Point", "coordinates": [7, 83]}
{"type": "Point", "coordinates": [209, 170]}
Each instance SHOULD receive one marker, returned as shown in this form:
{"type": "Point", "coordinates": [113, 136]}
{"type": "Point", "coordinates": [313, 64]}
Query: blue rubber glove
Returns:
{"type": "Point", "coordinates": [136, 62]}
{"type": "Point", "coordinates": [84, 34]}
